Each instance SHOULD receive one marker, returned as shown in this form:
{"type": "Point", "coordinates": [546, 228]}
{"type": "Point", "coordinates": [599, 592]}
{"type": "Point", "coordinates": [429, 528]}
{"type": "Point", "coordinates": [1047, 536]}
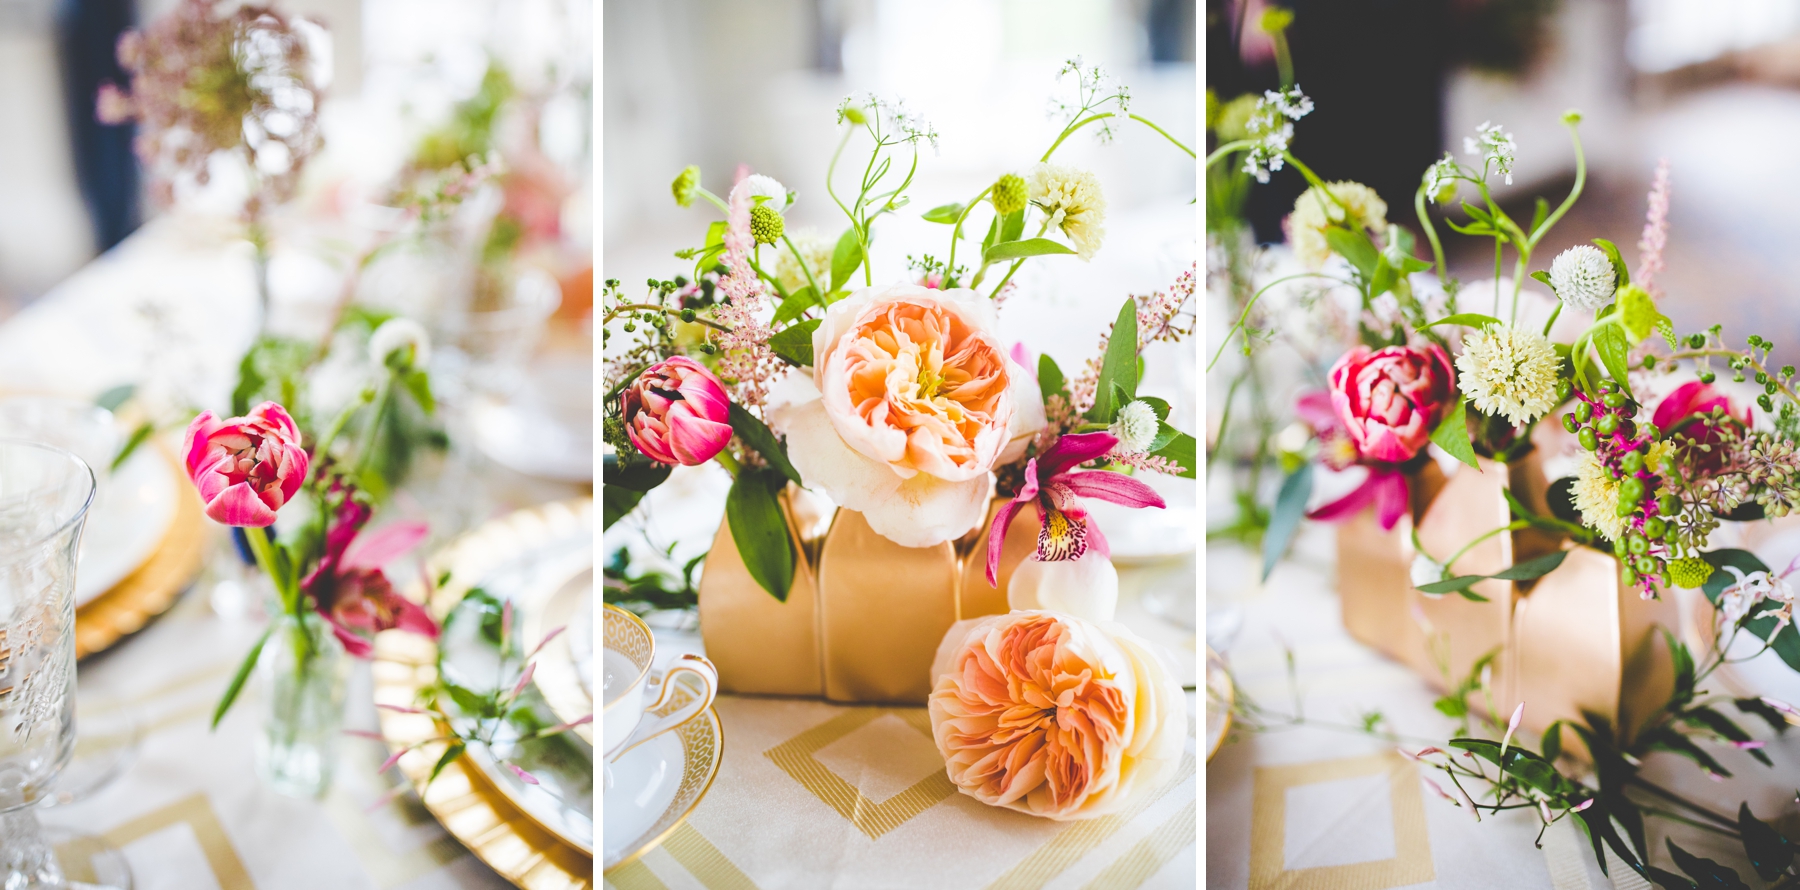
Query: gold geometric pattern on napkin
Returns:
{"type": "Point", "coordinates": [1148, 856]}
{"type": "Point", "coordinates": [795, 757]}
{"type": "Point", "coordinates": [1411, 863]}
{"type": "Point", "coordinates": [197, 811]}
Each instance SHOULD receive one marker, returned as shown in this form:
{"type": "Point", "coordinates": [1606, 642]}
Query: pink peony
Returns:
{"type": "Point", "coordinates": [1688, 410]}
{"type": "Point", "coordinates": [246, 467]}
{"type": "Point", "coordinates": [1390, 399]}
{"type": "Point", "coordinates": [1054, 716]}
{"type": "Point", "coordinates": [911, 403]}
{"type": "Point", "coordinates": [677, 412]}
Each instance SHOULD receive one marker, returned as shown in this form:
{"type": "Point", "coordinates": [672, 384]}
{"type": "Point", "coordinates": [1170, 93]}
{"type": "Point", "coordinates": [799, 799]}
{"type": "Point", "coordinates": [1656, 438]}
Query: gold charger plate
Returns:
{"type": "Point", "coordinates": [471, 807]}
{"type": "Point", "coordinates": [154, 586]}
{"type": "Point", "coordinates": [558, 678]}
{"type": "Point", "coordinates": [1221, 699]}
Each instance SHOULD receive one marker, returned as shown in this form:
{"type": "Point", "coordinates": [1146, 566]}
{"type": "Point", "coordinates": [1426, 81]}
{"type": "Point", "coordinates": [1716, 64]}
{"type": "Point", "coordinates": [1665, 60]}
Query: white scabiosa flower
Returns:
{"type": "Point", "coordinates": [403, 336]}
{"type": "Point", "coordinates": [1596, 495]}
{"type": "Point", "coordinates": [760, 186]}
{"type": "Point", "coordinates": [1350, 204]}
{"type": "Point", "coordinates": [1509, 372]}
{"type": "Point", "coordinates": [1583, 277]}
{"type": "Point", "coordinates": [817, 252]}
{"type": "Point", "coordinates": [1074, 203]}
{"type": "Point", "coordinates": [1135, 427]}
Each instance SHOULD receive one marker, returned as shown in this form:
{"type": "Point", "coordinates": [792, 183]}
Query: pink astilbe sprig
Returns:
{"type": "Point", "coordinates": [1149, 463]}
{"type": "Point", "coordinates": [745, 360]}
{"type": "Point", "coordinates": [1164, 315]}
{"type": "Point", "coordinates": [1656, 229]}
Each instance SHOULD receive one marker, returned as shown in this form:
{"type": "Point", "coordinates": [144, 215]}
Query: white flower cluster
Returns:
{"type": "Point", "coordinates": [1508, 372]}
{"type": "Point", "coordinates": [1736, 601]}
{"type": "Point", "coordinates": [1272, 125]}
{"type": "Point", "coordinates": [1583, 277]}
{"type": "Point", "coordinates": [1092, 90]}
{"type": "Point", "coordinates": [899, 123]}
{"type": "Point", "coordinates": [1135, 427]}
{"type": "Point", "coordinates": [1495, 146]}
{"type": "Point", "coordinates": [1440, 180]}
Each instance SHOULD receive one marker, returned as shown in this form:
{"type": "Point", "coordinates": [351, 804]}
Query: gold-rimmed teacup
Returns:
{"type": "Point", "coordinates": [625, 674]}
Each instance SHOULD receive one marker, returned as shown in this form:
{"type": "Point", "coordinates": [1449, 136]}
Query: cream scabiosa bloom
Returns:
{"type": "Point", "coordinates": [910, 404]}
{"type": "Point", "coordinates": [1508, 372]}
{"type": "Point", "coordinates": [817, 253]}
{"type": "Point", "coordinates": [1074, 202]}
{"type": "Point", "coordinates": [1583, 277]}
{"type": "Point", "coordinates": [1350, 204]}
{"type": "Point", "coordinates": [1596, 495]}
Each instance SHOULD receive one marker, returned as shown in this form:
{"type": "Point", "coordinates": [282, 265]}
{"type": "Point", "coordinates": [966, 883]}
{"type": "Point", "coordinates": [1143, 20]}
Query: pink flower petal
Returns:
{"type": "Point", "coordinates": [527, 777]}
{"type": "Point", "coordinates": [1116, 488]}
{"type": "Point", "coordinates": [372, 550]}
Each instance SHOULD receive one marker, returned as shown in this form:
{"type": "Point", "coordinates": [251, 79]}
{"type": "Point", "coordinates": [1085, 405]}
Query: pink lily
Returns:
{"type": "Point", "coordinates": [1050, 481]}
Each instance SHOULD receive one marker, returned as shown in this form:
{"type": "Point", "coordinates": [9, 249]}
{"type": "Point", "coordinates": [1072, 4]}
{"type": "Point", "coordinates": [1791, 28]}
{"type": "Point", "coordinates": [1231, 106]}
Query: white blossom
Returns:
{"type": "Point", "coordinates": [1583, 277]}
{"type": "Point", "coordinates": [1495, 146]}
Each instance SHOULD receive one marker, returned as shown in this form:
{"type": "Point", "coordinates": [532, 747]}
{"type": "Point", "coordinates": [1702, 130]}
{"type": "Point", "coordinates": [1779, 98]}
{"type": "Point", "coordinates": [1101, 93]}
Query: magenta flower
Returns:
{"type": "Point", "coordinates": [1688, 410]}
{"type": "Point", "coordinates": [246, 468]}
{"type": "Point", "coordinates": [677, 412]}
{"type": "Point", "coordinates": [349, 587]}
{"type": "Point", "coordinates": [1390, 399]}
{"type": "Point", "coordinates": [1064, 532]}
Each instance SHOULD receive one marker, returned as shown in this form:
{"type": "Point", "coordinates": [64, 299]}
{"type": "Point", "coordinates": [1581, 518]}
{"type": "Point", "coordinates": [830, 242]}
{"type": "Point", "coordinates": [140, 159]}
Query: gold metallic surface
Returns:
{"type": "Point", "coordinates": [154, 586]}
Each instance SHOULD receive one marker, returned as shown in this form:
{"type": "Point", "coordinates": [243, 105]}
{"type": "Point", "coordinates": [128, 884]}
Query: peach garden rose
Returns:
{"type": "Point", "coordinates": [1053, 716]}
{"type": "Point", "coordinates": [911, 402]}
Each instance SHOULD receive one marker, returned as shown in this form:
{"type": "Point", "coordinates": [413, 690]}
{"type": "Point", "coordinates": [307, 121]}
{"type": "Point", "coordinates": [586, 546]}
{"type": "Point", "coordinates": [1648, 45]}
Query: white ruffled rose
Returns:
{"type": "Point", "coordinates": [910, 404]}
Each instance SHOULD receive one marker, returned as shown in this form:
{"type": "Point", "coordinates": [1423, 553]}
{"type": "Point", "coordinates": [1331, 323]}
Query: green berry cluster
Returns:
{"type": "Point", "coordinates": [1604, 422]}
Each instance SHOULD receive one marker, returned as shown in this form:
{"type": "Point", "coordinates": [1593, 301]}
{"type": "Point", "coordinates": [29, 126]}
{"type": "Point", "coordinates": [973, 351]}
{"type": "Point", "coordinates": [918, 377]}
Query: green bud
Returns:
{"type": "Point", "coordinates": [1655, 528]}
{"type": "Point", "coordinates": [1587, 438]}
{"type": "Point", "coordinates": [1708, 377]}
{"type": "Point", "coordinates": [1765, 403]}
{"type": "Point", "coordinates": [1632, 489]}
{"type": "Point", "coordinates": [1569, 423]}
{"type": "Point", "coordinates": [1632, 462]}
{"type": "Point", "coordinates": [1637, 310]}
{"type": "Point", "coordinates": [685, 184]}
{"type": "Point", "coordinates": [1646, 565]}
{"type": "Point", "coordinates": [1636, 545]}
{"type": "Point", "coordinates": [1584, 412]}
{"type": "Point", "coordinates": [1607, 424]}
{"type": "Point", "coordinates": [1613, 400]}
{"type": "Point", "coordinates": [765, 225]}
{"type": "Point", "coordinates": [1628, 576]}
{"type": "Point", "coordinates": [688, 315]}
{"type": "Point", "coordinates": [1668, 505]}
{"type": "Point", "coordinates": [1009, 194]}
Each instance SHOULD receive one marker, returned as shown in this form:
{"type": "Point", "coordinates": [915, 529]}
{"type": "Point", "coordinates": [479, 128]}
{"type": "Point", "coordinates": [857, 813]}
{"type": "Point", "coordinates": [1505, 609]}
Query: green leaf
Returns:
{"type": "Point", "coordinates": [1012, 226]}
{"type": "Point", "coordinates": [1552, 744]}
{"type": "Point", "coordinates": [993, 234]}
{"type": "Point", "coordinates": [1050, 378]}
{"type": "Point", "coordinates": [1290, 508]}
{"type": "Point", "coordinates": [450, 754]}
{"type": "Point", "coordinates": [1457, 584]}
{"type": "Point", "coordinates": [1181, 449]}
{"type": "Point", "coordinates": [138, 437]}
{"type": "Point", "coordinates": [794, 342]}
{"type": "Point", "coordinates": [947, 214]}
{"type": "Point", "coordinates": [1615, 354]}
{"type": "Point", "coordinates": [715, 233]}
{"type": "Point", "coordinates": [616, 503]}
{"type": "Point", "coordinates": [1762, 709]}
{"type": "Point", "coordinates": [1663, 738]}
{"type": "Point", "coordinates": [759, 530]}
{"type": "Point", "coordinates": [1707, 874]}
{"type": "Point", "coordinates": [1544, 278]}
{"type": "Point", "coordinates": [113, 398]}
{"type": "Point", "coordinates": [418, 385]}
{"type": "Point", "coordinates": [1742, 560]}
{"type": "Point", "coordinates": [1453, 435]}
{"type": "Point", "coordinates": [470, 702]}
{"type": "Point", "coordinates": [1016, 250]}
{"type": "Point", "coordinates": [1620, 270]}
{"type": "Point", "coordinates": [1119, 366]}
{"type": "Point", "coordinates": [1355, 247]}
{"type": "Point", "coordinates": [796, 303]}
{"type": "Point", "coordinates": [1164, 435]}
{"type": "Point", "coordinates": [844, 259]}
{"type": "Point", "coordinates": [237, 679]}
{"type": "Point", "coordinates": [1669, 880]}
{"type": "Point", "coordinates": [1769, 852]}
{"type": "Point", "coordinates": [1538, 215]}
{"type": "Point", "coordinates": [1478, 230]}
{"type": "Point", "coordinates": [1533, 569]}
{"type": "Point", "coordinates": [758, 436]}
{"type": "Point", "coordinates": [1471, 595]}
{"type": "Point", "coordinates": [639, 476]}
{"type": "Point", "coordinates": [1472, 319]}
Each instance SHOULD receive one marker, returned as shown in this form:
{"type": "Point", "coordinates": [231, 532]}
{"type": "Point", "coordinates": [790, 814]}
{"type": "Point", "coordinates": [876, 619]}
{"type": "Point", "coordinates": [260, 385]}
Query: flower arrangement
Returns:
{"type": "Point", "coordinates": [1663, 454]}
{"type": "Point", "coordinates": [896, 400]}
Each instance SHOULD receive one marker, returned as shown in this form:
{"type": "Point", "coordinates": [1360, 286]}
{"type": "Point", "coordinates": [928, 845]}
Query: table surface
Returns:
{"type": "Point", "coordinates": [764, 826]}
{"type": "Point", "coordinates": [1324, 806]}
{"type": "Point", "coordinates": [173, 306]}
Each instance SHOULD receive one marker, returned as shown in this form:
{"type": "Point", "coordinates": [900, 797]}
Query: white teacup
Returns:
{"type": "Point", "coordinates": [630, 650]}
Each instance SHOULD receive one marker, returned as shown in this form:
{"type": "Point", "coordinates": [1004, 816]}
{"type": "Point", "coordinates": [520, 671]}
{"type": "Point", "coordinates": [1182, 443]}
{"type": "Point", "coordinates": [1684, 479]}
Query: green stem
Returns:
{"type": "Point", "coordinates": [1553, 316]}
{"type": "Point", "coordinates": [616, 311]}
{"type": "Point", "coordinates": [1437, 248]}
{"type": "Point", "coordinates": [1225, 417]}
{"type": "Point", "coordinates": [323, 447]}
{"type": "Point", "coordinates": [1070, 131]}
{"type": "Point", "coordinates": [1252, 304]}
{"type": "Point", "coordinates": [384, 394]}
{"type": "Point", "coordinates": [956, 232]}
{"type": "Point", "coordinates": [803, 266]}
{"type": "Point", "coordinates": [728, 462]}
{"type": "Point", "coordinates": [1574, 192]}
{"type": "Point", "coordinates": [1165, 135]}
{"type": "Point", "coordinates": [1228, 148]}
{"type": "Point", "coordinates": [716, 201]}
{"type": "Point", "coordinates": [1509, 527]}
{"type": "Point", "coordinates": [1284, 61]}
{"type": "Point", "coordinates": [265, 558]}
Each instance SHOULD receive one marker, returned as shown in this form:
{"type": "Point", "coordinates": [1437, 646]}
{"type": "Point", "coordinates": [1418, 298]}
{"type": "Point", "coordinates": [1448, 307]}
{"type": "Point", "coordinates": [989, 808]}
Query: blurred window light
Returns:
{"type": "Point", "coordinates": [1670, 34]}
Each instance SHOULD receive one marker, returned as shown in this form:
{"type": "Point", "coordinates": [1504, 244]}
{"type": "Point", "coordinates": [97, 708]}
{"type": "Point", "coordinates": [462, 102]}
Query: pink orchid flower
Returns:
{"type": "Point", "coordinates": [349, 587]}
{"type": "Point", "coordinates": [246, 468]}
{"type": "Point", "coordinates": [1065, 532]}
{"type": "Point", "coordinates": [676, 412]}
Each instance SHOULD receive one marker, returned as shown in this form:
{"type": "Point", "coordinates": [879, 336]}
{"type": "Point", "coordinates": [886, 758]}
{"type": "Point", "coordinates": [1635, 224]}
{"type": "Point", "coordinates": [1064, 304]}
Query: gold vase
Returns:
{"type": "Point", "coordinates": [1570, 644]}
{"type": "Point", "coordinates": [865, 615]}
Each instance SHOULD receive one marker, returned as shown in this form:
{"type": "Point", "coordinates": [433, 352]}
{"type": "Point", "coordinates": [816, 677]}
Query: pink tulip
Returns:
{"type": "Point", "coordinates": [1688, 410]}
{"type": "Point", "coordinates": [1391, 399]}
{"type": "Point", "coordinates": [677, 413]}
{"type": "Point", "coordinates": [246, 467]}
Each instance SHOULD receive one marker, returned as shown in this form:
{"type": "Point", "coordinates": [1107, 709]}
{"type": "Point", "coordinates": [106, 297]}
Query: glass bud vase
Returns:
{"type": "Point", "coordinates": [304, 670]}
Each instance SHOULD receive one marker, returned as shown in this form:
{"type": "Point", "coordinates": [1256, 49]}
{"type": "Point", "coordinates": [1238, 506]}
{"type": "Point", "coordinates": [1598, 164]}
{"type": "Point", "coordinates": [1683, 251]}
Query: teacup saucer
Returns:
{"type": "Point", "coordinates": [651, 789]}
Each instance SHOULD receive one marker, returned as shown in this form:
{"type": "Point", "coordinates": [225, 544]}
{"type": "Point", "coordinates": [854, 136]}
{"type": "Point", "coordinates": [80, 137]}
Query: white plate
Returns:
{"type": "Point", "coordinates": [130, 516]}
{"type": "Point", "coordinates": [546, 428]}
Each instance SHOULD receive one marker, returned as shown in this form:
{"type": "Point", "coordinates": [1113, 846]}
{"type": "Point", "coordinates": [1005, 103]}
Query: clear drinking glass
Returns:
{"type": "Point", "coordinates": [44, 498]}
